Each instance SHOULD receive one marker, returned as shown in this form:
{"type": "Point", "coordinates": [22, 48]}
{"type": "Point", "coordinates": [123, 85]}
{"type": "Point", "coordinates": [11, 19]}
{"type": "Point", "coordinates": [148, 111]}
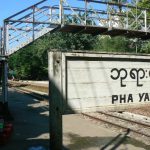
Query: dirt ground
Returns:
{"type": "Point", "coordinates": [145, 110]}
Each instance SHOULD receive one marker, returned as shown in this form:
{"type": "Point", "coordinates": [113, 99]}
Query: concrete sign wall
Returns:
{"type": "Point", "coordinates": [103, 81]}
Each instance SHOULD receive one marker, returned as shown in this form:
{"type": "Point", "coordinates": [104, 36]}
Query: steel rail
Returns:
{"type": "Point", "coordinates": [22, 29]}
{"type": "Point", "coordinates": [100, 12]}
{"type": "Point", "coordinates": [115, 116]}
{"type": "Point", "coordinates": [115, 124]}
{"type": "Point", "coordinates": [35, 22]}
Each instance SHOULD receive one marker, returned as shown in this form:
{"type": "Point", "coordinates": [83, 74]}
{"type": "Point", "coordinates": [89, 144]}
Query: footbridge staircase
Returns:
{"type": "Point", "coordinates": [104, 17]}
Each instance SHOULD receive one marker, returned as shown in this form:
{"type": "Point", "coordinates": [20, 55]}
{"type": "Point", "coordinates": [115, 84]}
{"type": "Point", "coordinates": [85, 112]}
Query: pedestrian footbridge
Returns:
{"type": "Point", "coordinates": [103, 17]}
{"type": "Point", "coordinates": [96, 17]}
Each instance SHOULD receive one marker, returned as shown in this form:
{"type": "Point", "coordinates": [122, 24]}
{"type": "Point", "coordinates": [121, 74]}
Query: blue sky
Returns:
{"type": "Point", "coordinates": [10, 7]}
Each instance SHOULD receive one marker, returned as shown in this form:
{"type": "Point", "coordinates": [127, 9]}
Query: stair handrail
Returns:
{"type": "Point", "coordinates": [25, 10]}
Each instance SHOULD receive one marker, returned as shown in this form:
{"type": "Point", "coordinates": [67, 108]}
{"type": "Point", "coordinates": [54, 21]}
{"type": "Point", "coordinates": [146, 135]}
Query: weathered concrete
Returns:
{"type": "Point", "coordinates": [98, 81]}
{"type": "Point", "coordinates": [31, 127]}
{"type": "Point", "coordinates": [80, 133]}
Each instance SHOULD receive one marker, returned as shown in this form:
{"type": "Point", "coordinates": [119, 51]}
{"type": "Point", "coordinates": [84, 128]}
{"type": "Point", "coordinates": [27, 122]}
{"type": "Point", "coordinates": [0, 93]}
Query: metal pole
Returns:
{"type": "Point", "coordinates": [33, 25]}
{"type": "Point", "coordinates": [1, 38]}
{"type": "Point", "coordinates": [6, 39]}
{"type": "Point", "coordinates": [136, 16]}
{"type": "Point", "coordinates": [127, 21]}
{"type": "Point", "coordinates": [50, 12]}
{"type": "Point", "coordinates": [5, 65]}
{"type": "Point", "coordinates": [109, 16]}
{"type": "Point", "coordinates": [145, 15]}
{"type": "Point", "coordinates": [136, 48]}
{"type": "Point", "coordinates": [61, 12]}
{"type": "Point", "coordinates": [85, 12]}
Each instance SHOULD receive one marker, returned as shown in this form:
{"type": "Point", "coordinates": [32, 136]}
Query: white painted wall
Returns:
{"type": "Point", "coordinates": [88, 82]}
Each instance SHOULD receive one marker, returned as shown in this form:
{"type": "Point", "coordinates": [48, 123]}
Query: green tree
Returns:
{"type": "Point", "coordinates": [145, 46]}
{"type": "Point", "coordinates": [114, 44]}
{"type": "Point", "coordinates": [31, 62]}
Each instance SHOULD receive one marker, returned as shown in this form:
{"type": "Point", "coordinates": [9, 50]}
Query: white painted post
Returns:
{"type": "Point", "coordinates": [56, 100]}
{"type": "Point", "coordinates": [145, 16]}
{"type": "Point", "coordinates": [61, 11]}
{"type": "Point", "coordinates": [33, 24]}
{"type": "Point", "coordinates": [86, 12]}
{"type": "Point", "coordinates": [6, 39]}
{"type": "Point", "coordinates": [50, 14]}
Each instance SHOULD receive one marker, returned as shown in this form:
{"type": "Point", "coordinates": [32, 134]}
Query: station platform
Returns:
{"type": "Point", "coordinates": [31, 128]}
{"type": "Point", "coordinates": [84, 134]}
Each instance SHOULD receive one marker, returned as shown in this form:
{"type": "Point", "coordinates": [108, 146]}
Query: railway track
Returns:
{"type": "Point", "coordinates": [114, 119]}
{"type": "Point", "coordinates": [120, 122]}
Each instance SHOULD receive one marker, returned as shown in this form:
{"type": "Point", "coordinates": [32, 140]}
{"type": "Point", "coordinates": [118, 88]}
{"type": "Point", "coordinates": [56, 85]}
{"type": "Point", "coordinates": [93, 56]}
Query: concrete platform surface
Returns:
{"type": "Point", "coordinates": [83, 134]}
{"type": "Point", "coordinates": [31, 128]}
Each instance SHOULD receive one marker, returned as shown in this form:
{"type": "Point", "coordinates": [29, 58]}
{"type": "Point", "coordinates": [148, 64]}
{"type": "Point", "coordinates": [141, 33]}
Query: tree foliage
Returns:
{"type": "Point", "coordinates": [145, 47]}
{"type": "Point", "coordinates": [31, 62]}
{"type": "Point", "coordinates": [115, 44]}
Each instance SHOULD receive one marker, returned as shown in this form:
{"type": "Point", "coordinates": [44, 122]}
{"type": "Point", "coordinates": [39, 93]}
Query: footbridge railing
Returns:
{"type": "Point", "coordinates": [84, 16]}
